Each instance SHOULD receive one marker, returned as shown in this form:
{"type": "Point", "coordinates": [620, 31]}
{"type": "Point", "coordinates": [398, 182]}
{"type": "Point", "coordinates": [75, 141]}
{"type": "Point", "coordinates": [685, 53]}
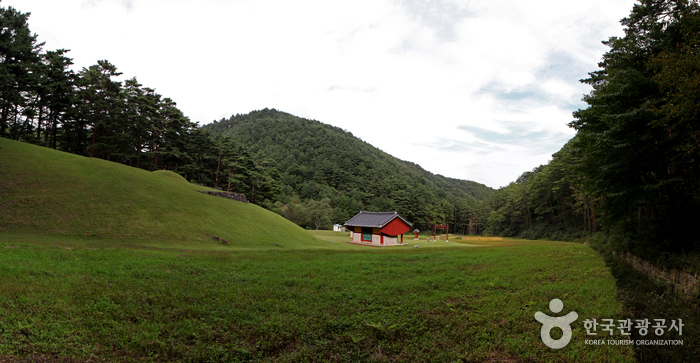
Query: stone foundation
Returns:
{"type": "Point", "coordinates": [376, 240]}
{"type": "Point", "coordinates": [684, 283]}
{"type": "Point", "coordinates": [233, 196]}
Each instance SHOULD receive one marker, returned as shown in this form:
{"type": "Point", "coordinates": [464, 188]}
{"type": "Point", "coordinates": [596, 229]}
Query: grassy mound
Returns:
{"type": "Point", "coordinates": [171, 174]}
{"type": "Point", "coordinates": [48, 192]}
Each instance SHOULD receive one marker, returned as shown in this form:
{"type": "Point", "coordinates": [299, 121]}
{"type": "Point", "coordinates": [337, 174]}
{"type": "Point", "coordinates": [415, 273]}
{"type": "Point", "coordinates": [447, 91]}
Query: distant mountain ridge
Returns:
{"type": "Point", "coordinates": [317, 160]}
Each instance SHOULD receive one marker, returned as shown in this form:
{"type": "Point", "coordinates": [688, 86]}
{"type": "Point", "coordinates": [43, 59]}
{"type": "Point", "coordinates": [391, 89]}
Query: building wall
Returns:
{"type": "Point", "coordinates": [356, 236]}
{"type": "Point", "coordinates": [396, 227]}
{"type": "Point", "coordinates": [391, 241]}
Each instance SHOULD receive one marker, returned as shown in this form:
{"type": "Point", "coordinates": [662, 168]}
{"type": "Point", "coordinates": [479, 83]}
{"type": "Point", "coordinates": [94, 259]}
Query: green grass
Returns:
{"type": "Point", "coordinates": [367, 304]}
{"type": "Point", "coordinates": [48, 192]}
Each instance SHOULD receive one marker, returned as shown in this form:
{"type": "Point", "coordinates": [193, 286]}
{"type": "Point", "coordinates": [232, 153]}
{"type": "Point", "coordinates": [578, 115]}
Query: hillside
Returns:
{"type": "Point", "coordinates": [318, 161]}
{"type": "Point", "coordinates": [49, 192]}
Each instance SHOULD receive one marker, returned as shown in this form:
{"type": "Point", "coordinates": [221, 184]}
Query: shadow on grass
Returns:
{"type": "Point", "coordinates": [643, 298]}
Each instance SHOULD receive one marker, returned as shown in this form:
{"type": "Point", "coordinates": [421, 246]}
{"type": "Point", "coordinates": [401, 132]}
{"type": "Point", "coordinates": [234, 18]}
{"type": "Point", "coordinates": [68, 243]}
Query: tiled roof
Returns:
{"type": "Point", "coordinates": [373, 219]}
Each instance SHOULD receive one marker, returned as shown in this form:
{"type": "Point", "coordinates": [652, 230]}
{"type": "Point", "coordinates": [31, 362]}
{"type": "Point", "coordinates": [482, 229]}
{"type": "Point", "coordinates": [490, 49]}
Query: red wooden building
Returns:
{"type": "Point", "coordinates": [377, 228]}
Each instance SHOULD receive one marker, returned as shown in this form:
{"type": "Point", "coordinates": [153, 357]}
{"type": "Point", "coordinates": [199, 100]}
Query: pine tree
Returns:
{"type": "Point", "coordinates": [19, 57]}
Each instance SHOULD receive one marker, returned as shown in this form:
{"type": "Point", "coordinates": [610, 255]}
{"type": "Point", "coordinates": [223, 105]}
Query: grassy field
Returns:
{"type": "Point", "coordinates": [104, 262]}
{"type": "Point", "coordinates": [86, 302]}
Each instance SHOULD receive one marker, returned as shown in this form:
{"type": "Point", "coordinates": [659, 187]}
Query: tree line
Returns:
{"type": "Point", "coordinates": [90, 113]}
{"type": "Point", "coordinates": [633, 168]}
{"type": "Point", "coordinates": [548, 202]}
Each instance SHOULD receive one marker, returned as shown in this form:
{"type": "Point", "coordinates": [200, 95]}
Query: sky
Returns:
{"type": "Point", "coordinates": [480, 90]}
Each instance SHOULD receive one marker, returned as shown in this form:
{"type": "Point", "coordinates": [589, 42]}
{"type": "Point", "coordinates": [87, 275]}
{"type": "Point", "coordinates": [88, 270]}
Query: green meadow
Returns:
{"type": "Point", "coordinates": [124, 303]}
{"type": "Point", "coordinates": [103, 262]}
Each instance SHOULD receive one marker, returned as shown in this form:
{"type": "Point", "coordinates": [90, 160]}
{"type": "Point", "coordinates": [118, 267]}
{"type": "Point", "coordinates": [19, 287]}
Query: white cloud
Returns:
{"type": "Point", "coordinates": [403, 75]}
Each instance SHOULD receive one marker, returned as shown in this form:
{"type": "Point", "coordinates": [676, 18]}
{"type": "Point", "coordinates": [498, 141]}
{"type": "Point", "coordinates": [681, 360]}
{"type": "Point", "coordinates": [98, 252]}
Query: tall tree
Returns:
{"type": "Point", "coordinates": [19, 56]}
{"type": "Point", "coordinates": [101, 104]}
{"type": "Point", "coordinates": [59, 86]}
{"type": "Point", "coordinates": [319, 212]}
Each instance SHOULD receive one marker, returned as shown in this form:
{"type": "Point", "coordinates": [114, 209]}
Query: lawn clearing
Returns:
{"type": "Point", "coordinates": [349, 304]}
{"type": "Point", "coordinates": [409, 242]}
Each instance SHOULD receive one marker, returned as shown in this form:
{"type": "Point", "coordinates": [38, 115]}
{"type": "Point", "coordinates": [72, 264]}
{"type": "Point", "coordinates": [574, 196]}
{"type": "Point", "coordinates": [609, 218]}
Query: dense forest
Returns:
{"type": "Point", "coordinates": [633, 169]}
{"type": "Point", "coordinates": [322, 166]}
{"type": "Point", "coordinates": [547, 202]}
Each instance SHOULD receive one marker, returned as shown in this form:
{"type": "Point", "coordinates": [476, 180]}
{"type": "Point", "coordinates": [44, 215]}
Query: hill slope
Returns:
{"type": "Point", "coordinates": [316, 160]}
{"type": "Point", "coordinates": [44, 191]}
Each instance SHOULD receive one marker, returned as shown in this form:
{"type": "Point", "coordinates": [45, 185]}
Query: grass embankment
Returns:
{"type": "Point", "coordinates": [47, 192]}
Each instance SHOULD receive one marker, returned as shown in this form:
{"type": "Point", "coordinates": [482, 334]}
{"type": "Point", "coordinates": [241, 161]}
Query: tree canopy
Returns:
{"type": "Point", "coordinates": [316, 162]}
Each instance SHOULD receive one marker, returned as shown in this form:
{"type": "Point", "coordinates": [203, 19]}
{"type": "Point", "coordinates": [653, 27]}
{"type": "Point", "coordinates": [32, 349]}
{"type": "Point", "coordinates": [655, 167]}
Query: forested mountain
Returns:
{"type": "Point", "coordinates": [321, 166]}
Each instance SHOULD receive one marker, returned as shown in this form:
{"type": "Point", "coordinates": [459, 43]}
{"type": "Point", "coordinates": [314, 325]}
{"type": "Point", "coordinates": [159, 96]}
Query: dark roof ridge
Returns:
{"type": "Point", "coordinates": [374, 219]}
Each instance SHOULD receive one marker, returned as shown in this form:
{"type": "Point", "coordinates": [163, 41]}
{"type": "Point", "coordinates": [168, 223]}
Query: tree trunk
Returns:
{"type": "Point", "coordinates": [49, 126]}
{"type": "Point", "coordinates": [595, 229]}
{"type": "Point", "coordinates": [218, 165]}
{"type": "Point", "coordinates": [561, 198]}
{"type": "Point", "coordinates": [230, 171]}
{"type": "Point", "coordinates": [3, 120]}
{"type": "Point", "coordinates": [551, 210]}
{"type": "Point", "coordinates": [54, 126]}
{"type": "Point", "coordinates": [639, 217]}
{"type": "Point", "coordinates": [585, 214]}
{"type": "Point", "coordinates": [94, 134]}
{"type": "Point", "coordinates": [25, 128]}
{"type": "Point", "coordinates": [94, 131]}
{"type": "Point", "coordinates": [38, 124]}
